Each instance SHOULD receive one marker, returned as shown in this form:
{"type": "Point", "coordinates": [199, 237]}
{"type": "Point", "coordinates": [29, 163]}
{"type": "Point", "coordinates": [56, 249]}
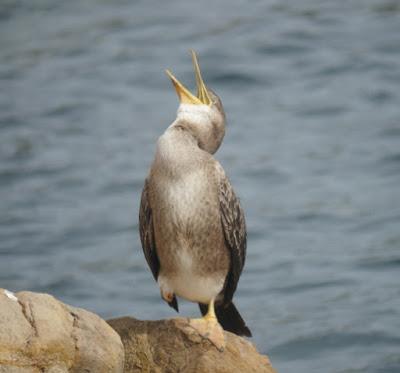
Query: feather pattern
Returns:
{"type": "Point", "coordinates": [146, 231]}
{"type": "Point", "coordinates": [234, 229]}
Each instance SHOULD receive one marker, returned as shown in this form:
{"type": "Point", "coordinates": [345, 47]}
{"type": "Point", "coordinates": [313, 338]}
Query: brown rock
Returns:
{"type": "Point", "coordinates": [38, 333]}
{"type": "Point", "coordinates": [166, 346]}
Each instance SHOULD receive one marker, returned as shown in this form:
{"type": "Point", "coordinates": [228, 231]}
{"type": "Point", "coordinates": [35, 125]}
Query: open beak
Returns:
{"type": "Point", "coordinates": [185, 96]}
{"type": "Point", "coordinates": [202, 92]}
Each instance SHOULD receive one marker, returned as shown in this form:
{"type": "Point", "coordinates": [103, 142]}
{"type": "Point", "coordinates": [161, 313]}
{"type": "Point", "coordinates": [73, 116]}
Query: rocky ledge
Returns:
{"type": "Point", "coordinates": [168, 346]}
{"type": "Point", "coordinates": [39, 334]}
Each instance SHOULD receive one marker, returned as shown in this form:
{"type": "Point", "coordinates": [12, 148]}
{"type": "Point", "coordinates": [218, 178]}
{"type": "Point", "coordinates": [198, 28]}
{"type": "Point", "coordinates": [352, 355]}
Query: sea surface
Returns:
{"type": "Point", "coordinates": [312, 95]}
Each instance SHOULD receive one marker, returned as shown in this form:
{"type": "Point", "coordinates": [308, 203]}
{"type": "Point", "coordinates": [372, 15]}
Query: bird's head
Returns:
{"type": "Point", "coordinates": [203, 115]}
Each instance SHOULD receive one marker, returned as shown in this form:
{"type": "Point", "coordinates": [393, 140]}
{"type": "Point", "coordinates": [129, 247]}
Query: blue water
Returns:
{"type": "Point", "coordinates": [311, 91]}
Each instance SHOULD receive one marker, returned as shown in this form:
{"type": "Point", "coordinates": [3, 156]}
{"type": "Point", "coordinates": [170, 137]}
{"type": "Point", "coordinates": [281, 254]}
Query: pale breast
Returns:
{"type": "Point", "coordinates": [188, 229]}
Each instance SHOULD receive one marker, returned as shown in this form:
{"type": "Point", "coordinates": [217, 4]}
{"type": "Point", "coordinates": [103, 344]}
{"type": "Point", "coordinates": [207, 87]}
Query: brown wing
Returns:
{"type": "Point", "coordinates": [146, 231]}
{"type": "Point", "coordinates": [234, 228]}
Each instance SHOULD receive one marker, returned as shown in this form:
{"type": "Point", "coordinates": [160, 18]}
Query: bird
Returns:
{"type": "Point", "coordinates": [191, 224]}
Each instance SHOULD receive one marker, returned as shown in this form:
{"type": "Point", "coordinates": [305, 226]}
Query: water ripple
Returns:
{"type": "Point", "coordinates": [303, 287]}
{"type": "Point", "coordinates": [312, 345]}
{"type": "Point", "coordinates": [311, 92]}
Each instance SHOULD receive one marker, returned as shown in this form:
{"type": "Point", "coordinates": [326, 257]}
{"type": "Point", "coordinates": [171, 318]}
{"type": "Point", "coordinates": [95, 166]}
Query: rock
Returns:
{"type": "Point", "coordinates": [38, 333]}
{"type": "Point", "coordinates": [165, 346]}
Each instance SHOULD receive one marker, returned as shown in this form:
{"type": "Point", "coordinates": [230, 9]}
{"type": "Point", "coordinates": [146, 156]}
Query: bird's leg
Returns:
{"type": "Point", "coordinates": [209, 328]}
{"type": "Point", "coordinates": [210, 315]}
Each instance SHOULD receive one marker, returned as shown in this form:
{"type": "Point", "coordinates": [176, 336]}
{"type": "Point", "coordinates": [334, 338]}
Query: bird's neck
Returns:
{"type": "Point", "coordinates": [195, 114]}
{"type": "Point", "coordinates": [177, 149]}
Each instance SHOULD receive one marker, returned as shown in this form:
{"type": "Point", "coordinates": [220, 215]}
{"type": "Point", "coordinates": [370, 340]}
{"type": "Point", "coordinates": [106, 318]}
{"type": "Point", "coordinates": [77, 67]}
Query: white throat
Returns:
{"type": "Point", "coordinates": [194, 113]}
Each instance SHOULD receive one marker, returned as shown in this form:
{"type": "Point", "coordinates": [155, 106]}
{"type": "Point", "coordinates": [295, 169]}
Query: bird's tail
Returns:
{"type": "Point", "coordinates": [229, 318]}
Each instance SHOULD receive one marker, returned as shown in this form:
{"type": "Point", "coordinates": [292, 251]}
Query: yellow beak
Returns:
{"type": "Point", "coordinates": [185, 96]}
{"type": "Point", "coordinates": [202, 92]}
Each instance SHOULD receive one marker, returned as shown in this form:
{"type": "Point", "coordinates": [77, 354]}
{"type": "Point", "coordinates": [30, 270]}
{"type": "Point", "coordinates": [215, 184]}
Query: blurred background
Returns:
{"type": "Point", "coordinates": [311, 92]}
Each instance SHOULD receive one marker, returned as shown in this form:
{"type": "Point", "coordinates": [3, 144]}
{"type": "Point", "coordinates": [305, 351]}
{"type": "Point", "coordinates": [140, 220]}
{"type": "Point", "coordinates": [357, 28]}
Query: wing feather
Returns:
{"type": "Point", "coordinates": [234, 228]}
{"type": "Point", "coordinates": [146, 231]}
